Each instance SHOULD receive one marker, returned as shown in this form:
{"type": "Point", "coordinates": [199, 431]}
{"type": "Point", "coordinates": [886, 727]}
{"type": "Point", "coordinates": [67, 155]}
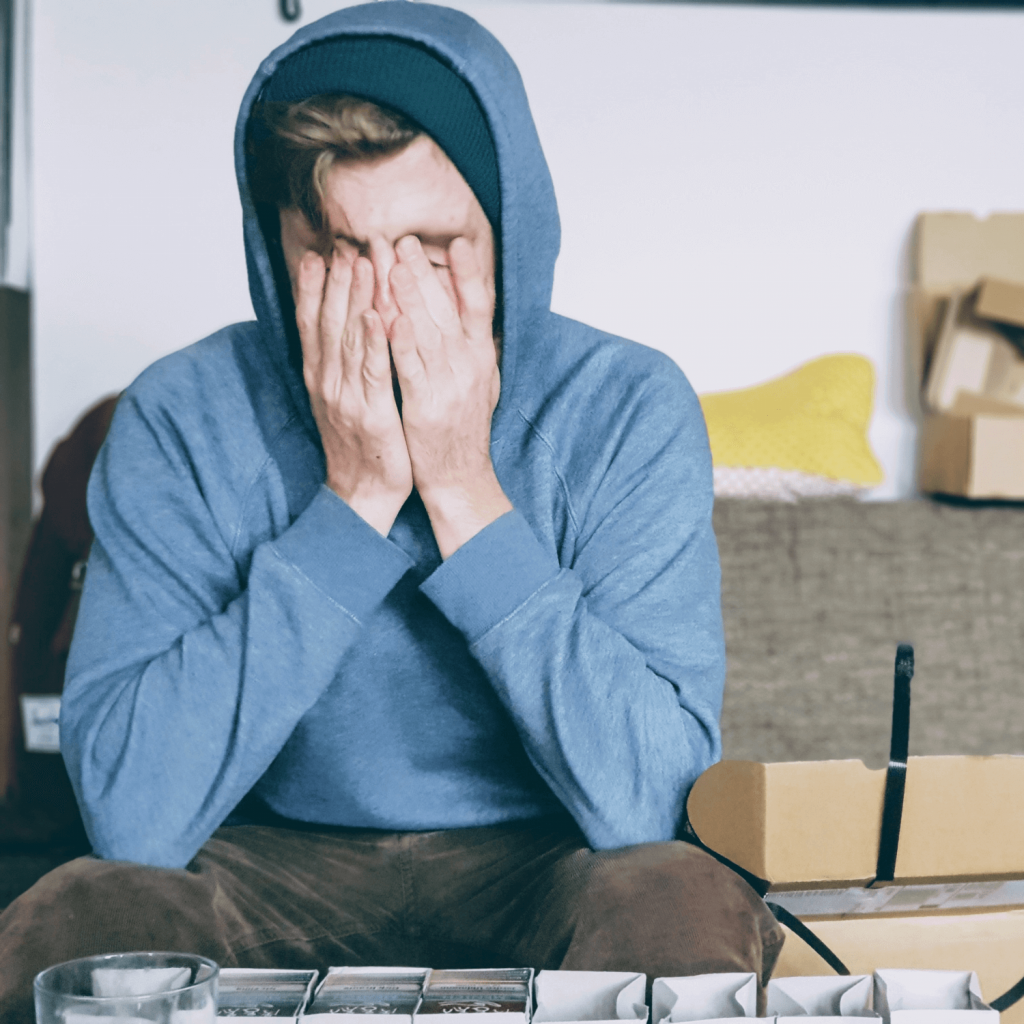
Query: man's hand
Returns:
{"type": "Point", "coordinates": [444, 353]}
{"type": "Point", "coordinates": [348, 375]}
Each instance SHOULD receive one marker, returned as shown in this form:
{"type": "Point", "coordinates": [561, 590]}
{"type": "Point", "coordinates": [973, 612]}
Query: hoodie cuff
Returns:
{"type": "Point", "coordinates": [490, 576]}
{"type": "Point", "coordinates": [343, 555]}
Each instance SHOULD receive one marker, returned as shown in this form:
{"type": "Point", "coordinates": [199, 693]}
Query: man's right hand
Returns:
{"type": "Point", "coordinates": [347, 369]}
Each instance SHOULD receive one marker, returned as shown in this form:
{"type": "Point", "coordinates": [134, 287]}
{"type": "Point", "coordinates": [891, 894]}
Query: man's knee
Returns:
{"type": "Point", "coordinates": [90, 906]}
{"type": "Point", "coordinates": [670, 908]}
{"type": "Point", "coordinates": [84, 907]}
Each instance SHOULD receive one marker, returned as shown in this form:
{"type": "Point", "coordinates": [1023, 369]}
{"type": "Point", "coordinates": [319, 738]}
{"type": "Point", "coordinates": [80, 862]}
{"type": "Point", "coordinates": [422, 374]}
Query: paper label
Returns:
{"type": "Point", "coordinates": [40, 714]}
{"type": "Point", "coordinates": [901, 899]}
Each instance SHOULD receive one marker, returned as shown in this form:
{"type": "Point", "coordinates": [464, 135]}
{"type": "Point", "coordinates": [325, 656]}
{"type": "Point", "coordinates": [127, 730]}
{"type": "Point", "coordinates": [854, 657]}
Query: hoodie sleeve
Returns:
{"type": "Point", "coordinates": [612, 667]}
{"type": "Point", "coordinates": [187, 674]}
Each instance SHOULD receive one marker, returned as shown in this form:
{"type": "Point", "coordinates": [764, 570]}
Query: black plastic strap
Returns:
{"type": "Point", "coordinates": [1009, 997]}
{"type": "Point", "coordinates": [896, 776]}
{"type": "Point", "coordinates": [758, 884]}
{"type": "Point", "coordinates": [761, 886]}
{"type": "Point", "coordinates": [795, 925]}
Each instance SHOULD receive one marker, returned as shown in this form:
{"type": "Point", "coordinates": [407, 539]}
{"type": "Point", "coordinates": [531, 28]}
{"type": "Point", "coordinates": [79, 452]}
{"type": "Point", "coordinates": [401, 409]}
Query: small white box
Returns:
{"type": "Point", "coordinates": [254, 992]}
{"type": "Point", "coordinates": [504, 995]}
{"type": "Point", "coordinates": [703, 998]}
{"type": "Point", "coordinates": [354, 993]}
{"type": "Point", "coordinates": [819, 999]}
{"type": "Point", "coordinates": [931, 997]}
{"type": "Point", "coordinates": [603, 996]}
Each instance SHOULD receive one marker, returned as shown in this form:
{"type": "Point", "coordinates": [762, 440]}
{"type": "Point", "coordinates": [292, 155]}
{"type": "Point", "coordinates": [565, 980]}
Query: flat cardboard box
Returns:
{"type": "Point", "coordinates": [990, 943]}
{"type": "Point", "coordinates": [978, 456]}
{"type": "Point", "coordinates": [813, 824]}
{"type": "Point", "coordinates": [950, 252]}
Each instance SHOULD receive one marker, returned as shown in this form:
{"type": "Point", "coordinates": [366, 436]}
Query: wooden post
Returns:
{"type": "Point", "coordinates": [15, 496]}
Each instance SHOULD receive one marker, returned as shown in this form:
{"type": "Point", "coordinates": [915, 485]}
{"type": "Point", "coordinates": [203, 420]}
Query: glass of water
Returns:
{"type": "Point", "coordinates": [130, 988]}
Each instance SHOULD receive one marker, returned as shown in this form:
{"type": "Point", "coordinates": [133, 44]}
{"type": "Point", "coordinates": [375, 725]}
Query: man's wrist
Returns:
{"type": "Point", "coordinates": [457, 514]}
{"type": "Point", "coordinates": [379, 512]}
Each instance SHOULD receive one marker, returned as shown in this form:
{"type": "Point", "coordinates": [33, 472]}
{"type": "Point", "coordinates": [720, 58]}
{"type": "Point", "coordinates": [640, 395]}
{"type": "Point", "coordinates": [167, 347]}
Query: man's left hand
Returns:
{"type": "Point", "coordinates": [445, 358]}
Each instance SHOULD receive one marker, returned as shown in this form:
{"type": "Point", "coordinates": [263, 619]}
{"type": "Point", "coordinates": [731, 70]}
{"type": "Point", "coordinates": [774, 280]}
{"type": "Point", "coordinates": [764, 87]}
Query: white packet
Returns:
{"type": "Point", "coordinates": [821, 996]}
{"type": "Point", "coordinates": [569, 996]}
{"type": "Point", "coordinates": [931, 997]}
{"type": "Point", "coordinates": [703, 997]}
{"type": "Point", "coordinates": [138, 981]}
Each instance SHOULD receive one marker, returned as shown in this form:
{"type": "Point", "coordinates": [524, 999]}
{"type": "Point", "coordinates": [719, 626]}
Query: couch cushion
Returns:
{"type": "Point", "coordinates": [816, 597]}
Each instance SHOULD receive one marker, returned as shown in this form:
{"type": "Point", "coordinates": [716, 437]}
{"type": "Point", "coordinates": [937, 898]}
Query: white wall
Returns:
{"type": "Point", "coordinates": [737, 184]}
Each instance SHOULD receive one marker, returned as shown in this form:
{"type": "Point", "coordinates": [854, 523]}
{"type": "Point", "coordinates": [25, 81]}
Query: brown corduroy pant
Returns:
{"type": "Point", "coordinates": [530, 894]}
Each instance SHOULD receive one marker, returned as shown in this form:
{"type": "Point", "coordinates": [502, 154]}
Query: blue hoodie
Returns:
{"type": "Point", "coordinates": [243, 632]}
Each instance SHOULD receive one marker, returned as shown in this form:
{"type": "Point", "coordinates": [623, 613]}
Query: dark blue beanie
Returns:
{"type": "Point", "coordinates": [408, 78]}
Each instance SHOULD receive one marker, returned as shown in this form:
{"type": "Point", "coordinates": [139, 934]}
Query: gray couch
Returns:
{"type": "Point", "coordinates": [816, 597]}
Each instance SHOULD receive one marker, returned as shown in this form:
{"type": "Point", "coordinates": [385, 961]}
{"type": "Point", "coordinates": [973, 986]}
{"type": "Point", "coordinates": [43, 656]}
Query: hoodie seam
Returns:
{"type": "Point", "coordinates": [295, 570]}
{"type": "Point", "coordinates": [515, 611]}
{"type": "Point", "coordinates": [257, 476]}
{"type": "Point", "coordinates": [554, 468]}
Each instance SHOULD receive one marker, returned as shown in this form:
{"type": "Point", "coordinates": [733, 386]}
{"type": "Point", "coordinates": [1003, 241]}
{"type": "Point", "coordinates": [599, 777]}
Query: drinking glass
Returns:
{"type": "Point", "coordinates": [130, 988]}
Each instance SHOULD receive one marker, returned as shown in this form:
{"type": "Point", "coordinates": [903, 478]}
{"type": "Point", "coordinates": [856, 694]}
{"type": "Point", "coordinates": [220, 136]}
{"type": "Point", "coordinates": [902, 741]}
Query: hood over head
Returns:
{"type": "Point", "coordinates": [527, 228]}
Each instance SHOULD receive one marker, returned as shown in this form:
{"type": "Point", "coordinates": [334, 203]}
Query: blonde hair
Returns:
{"type": "Point", "coordinates": [293, 146]}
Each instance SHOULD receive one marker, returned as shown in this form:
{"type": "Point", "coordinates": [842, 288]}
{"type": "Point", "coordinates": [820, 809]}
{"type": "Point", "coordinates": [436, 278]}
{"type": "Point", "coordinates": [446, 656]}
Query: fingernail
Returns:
{"type": "Point", "coordinates": [407, 246]}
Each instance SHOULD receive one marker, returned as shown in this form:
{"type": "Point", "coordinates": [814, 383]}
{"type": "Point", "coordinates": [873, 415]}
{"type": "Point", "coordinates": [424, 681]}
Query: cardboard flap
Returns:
{"type": "Point", "coordinates": [590, 996]}
{"type": "Point", "coordinates": [954, 250]}
{"type": "Point", "coordinates": [703, 997]}
{"type": "Point", "coordinates": [806, 824]}
{"type": "Point", "coordinates": [821, 997]}
{"type": "Point", "coordinates": [1002, 301]}
{"type": "Point", "coordinates": [794, 821]}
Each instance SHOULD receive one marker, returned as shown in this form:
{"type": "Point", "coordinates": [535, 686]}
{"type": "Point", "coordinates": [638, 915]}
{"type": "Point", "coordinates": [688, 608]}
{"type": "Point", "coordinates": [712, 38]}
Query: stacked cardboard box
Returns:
{"type": "Point", "coordinates": [966, 320]}
{"type": "Point", "coordinates": [811, 829]}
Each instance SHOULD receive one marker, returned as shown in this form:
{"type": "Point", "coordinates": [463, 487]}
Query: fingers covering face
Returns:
{"type": "Point", "coordinates": [474, 291]}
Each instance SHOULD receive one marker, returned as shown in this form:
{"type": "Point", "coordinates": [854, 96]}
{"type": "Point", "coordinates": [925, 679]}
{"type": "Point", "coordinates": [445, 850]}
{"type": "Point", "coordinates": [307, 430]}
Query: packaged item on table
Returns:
{"type": "Point", "coordinates": [703, 998]}
{"type": "Point", "coordinates": [503, 994]}
{"type": "Point", "coordinates": [350, 992]}
{"type": "Point", "coordinates": [604, 996]}
{"type": "Point", "coordinates": [243, 992]}
{"type": "Point", "coordinates": [816, 1000]}
{"type": "Point", "coordinates": [931, 997]}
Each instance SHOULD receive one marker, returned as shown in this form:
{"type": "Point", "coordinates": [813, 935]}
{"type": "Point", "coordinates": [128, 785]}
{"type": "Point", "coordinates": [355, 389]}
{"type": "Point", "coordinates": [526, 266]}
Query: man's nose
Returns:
{"type": "Point", "coordinates": [382, 255]}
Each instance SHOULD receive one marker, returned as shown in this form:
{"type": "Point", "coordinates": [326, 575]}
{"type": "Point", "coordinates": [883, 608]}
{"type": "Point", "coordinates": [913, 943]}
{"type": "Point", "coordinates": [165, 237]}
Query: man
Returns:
{"type": "Point", "coordinates": [409, 665]}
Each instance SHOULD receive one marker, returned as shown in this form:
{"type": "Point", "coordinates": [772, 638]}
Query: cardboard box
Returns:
{"type": "Point", "coordinates": [972, 456]}
{"type": "Point", "coordinates": [243, 992]}
{"type": "Point", "coordinates": [814, 824]}
{"type": "Point", "coordinates": [607, 997]}
{"type": "Point", "coordinates": [965, 334]}
{"type": "Point", "coordinates": [950, 252]}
